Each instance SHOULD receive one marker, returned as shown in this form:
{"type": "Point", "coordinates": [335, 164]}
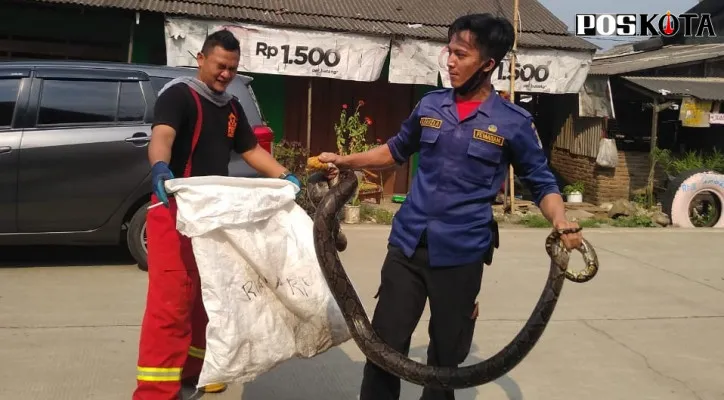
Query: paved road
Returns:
{"type": "Point", "coordinates": [648, 327]}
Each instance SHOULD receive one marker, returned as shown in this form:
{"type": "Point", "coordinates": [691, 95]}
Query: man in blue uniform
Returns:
{"type": "Point", "coordinates": [444, 232]}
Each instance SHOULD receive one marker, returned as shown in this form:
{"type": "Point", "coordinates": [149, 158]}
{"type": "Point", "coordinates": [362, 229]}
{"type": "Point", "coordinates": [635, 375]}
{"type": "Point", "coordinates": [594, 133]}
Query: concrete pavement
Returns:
{"type": "Point", "coordinates": [647, 327]}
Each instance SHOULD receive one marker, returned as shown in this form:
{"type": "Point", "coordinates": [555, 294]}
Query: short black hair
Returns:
{"type": "Point", "coordinates": [223, 38]}
{"type": "Point", "coordinates": [494, 36]}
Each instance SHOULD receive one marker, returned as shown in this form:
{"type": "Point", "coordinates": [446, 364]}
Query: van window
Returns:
{"type": "Point", "coordinates": [157, 83]}
{"type": "Point", "coordinates": [8, 96]}
{"type": "Point", "coordinates": [131, 105]}
{"type": "Point", "coordinates": [78, 102]}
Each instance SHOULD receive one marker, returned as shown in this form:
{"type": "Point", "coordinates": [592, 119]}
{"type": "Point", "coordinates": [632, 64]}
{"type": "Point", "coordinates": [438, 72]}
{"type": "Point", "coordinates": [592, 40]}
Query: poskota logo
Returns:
{"type": "Point", "coordinates": [667, 24]}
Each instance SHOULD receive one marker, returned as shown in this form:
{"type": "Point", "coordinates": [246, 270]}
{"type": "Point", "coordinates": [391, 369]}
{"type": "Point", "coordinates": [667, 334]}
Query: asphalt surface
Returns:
{"type": "Point", "coordinates": [649, 326]}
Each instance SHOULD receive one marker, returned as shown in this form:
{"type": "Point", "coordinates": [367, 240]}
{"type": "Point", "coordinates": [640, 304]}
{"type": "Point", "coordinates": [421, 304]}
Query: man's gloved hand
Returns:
{"type": "Point", "coordinates": [293, 179]}
{"type": "Point", "coordinates": [159, 174]}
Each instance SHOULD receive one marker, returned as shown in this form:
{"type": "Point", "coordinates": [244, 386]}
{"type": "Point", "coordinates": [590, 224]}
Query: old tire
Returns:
{"type": "Point", "coordinates": [692, 194]}
{"type": "Point", "coordinates": [136, 237]}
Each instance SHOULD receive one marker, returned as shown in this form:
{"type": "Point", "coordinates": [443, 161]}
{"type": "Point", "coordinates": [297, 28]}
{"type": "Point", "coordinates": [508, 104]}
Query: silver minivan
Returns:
{"type": "Point", "coordinates": [73, 150]}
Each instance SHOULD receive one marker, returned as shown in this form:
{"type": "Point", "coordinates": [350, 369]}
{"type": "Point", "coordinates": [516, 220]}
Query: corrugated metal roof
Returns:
{"type": "Point", "coordinates": [702, 88]}
{"type": "Point", "coordinates": [618, 50]}
{"type": "Point", "coordinates": [383, 17]}
{"type": "Point", "coordinates": [668, 55]}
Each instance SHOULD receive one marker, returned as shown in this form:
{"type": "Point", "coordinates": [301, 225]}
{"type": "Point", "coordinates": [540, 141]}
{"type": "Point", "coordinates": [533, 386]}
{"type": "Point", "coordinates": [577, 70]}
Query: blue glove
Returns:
{"type": "Point", "coordinates": [293, 179]}
{"type": "Point", "coordinates": [159, 174]}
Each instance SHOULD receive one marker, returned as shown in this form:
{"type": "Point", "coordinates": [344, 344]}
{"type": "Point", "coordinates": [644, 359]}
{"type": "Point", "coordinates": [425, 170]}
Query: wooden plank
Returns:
{"type": "Point", "coordinates": [581, 136]}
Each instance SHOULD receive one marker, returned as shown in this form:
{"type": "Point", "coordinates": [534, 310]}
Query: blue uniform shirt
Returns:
{"type": "Point", "coordinates": [461, 167]}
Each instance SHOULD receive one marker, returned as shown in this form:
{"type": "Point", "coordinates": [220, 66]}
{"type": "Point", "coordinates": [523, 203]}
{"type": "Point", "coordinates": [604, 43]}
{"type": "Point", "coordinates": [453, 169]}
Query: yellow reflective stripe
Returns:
{"type": "Point", "coordinates": [197, 352]}
{"type": "Point", "coordinates": [148, 378]}
{"type": "Point", "coordinates": [156, 369]}
{"type": "Point", "coordinates": [156, 374]}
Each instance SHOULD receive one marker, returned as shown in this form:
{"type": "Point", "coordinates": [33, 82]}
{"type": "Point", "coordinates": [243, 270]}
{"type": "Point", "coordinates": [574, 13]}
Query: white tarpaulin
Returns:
{"type": "Point", "coordinates": [261, 283]}
{"type": "Point", "coordinates": [538, 70]}
{"type": "Point", "coordinates": [415, 61]}
{"type": "Point", "coordinates": [184, 38]}
{"type": "Point", "coordinates": [282, 51]}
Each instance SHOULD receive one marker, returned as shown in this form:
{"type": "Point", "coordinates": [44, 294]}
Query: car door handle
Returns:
{"type": "Point", "coordinates": [5, 149]}
{"type": "Point", "coordinates": [139, 138]}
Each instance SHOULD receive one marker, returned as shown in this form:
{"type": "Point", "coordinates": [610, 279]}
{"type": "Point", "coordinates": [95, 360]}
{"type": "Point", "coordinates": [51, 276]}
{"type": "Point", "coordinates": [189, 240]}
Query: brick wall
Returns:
{"type": "Point", "coordinates": [604, 184]}
{"type": "Point", "coordinates": [572, 168]}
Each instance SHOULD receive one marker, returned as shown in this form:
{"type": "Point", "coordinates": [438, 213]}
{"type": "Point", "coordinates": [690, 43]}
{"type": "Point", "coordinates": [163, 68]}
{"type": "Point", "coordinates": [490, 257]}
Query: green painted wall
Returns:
{"type": "Point", "coordinates": [270, 93]}
{"type": "Point", "coordinates": [149, 46]}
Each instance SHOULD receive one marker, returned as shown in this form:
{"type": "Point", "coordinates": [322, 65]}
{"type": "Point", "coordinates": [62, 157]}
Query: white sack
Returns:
{"type": "Point", "coordinates": [261, 283]}
{"type": "Point", "coordinates": [607, 153]}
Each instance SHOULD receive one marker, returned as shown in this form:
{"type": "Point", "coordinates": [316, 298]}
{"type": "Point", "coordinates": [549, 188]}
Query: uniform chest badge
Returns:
{"type": "Point", "coordinates": [492, 128]}
{"type": "Point", "coordinates": [430, 122]}
{"type": "Point", "coordinates": [231, 126]}
{"type": "Point", "coordinates": [485, 136]}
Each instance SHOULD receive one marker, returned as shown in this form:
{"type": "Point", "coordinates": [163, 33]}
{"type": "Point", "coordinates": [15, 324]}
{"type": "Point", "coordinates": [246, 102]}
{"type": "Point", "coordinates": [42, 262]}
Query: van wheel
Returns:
{"type": "Point", "coordinates": [136, 237]}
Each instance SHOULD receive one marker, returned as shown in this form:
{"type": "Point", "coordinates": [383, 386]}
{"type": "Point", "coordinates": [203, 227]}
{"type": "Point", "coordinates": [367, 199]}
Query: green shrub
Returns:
{"type": "Point", "coordinates": [573, 187]}
{"type": "Point", "coordinates": [641, 199]}
{"type": "Point", "coordinates": [674, 165]}
{"type": "Point", "coordinates": [539, 221]}
{"type": "Point", "coordinates": [535, 221]}
{"type": "Point", "coordinates": [590, 223]}
{"type": "Point", "coordinates": [293, 156]}
{"type": "Point", "coordinates": [379, 215]}
{"type": "Point", "coordinates": [636, 221]}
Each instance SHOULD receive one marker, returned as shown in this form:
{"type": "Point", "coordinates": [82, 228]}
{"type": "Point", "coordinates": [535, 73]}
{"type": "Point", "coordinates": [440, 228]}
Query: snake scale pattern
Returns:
{"type": "Point", "coordinates": [326, 231]}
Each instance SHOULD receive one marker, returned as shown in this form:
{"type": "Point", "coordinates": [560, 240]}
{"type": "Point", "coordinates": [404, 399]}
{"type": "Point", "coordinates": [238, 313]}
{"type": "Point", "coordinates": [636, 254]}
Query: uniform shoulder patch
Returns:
{"type": "Point", "coordinates": [535, 130]}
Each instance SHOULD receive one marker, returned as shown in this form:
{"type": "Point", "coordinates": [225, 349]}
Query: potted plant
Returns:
{"type": "Point", "coordinates": [352, 208]}
{"type": "Point", "coordinates": [351, 134]}
{"type": "Point", "coordinates": [574, 192]}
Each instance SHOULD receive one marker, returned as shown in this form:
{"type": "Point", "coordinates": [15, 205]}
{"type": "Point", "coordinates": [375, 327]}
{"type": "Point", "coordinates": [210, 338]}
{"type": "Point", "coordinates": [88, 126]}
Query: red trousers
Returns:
{"type": "Point", "coordinates": [173, 332]}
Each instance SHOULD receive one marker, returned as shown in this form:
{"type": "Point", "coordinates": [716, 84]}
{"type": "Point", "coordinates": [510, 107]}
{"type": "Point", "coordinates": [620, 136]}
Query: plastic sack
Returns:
{"type": "Point", "coordinates": [607, 153]}
{"type": "Point", "coordinates": [262, 286]}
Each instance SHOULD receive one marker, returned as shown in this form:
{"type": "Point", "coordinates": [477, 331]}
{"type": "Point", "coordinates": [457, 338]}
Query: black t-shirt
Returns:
{"type": "Point", "coordinates": [222, 130]}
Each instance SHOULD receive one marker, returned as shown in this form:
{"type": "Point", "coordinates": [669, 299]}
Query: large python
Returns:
{"type": "Point", "coordinates": [326, 230]}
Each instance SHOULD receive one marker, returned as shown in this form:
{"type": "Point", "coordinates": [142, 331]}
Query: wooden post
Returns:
{"type": "Point", "coordinates": [511, 171]}
{"type": "Point", "coordinates": [656, 109]}
{"type": "Point", "coordinates": [652, 162]}
{"type": "Point", "coordinates": [131, 38]}
{"type": "Point", "coordinates": [309, 116]}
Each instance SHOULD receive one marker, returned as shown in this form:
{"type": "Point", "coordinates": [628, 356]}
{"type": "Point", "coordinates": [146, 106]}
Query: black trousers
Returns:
{"type": "Point", "coordinates": [405, 286]}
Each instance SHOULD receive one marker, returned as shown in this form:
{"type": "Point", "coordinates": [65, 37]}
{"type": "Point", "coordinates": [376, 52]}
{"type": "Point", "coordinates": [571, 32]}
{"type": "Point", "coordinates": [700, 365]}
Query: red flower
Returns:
{"type": "Point", "coordinates": [368, 120]}
{"type": "Point", "coordinates": [379, 140]}
{"type": "Point", "coordinates": [344, 106]}
{"type": "Point", "coordinates": [361, 103]}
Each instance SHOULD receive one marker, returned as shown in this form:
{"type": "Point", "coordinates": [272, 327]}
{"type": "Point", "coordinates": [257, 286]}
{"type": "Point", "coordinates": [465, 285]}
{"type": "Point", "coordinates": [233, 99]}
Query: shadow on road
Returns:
{"type": "Point", "coordinates": [511, 388]}
{"type": "Point", "coordinates": [329, 376]}
{"type": "Point", "coordinates": [44, 256]}
{"type": "Point", "coordinates": [335, 376]}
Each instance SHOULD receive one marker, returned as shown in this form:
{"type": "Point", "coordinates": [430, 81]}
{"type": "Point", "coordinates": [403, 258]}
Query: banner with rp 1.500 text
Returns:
{"type": "Point", "coordinates": [537, 71]}
{"type": "Point", "coordinates": [293, 52]}
{"type": "Point", "coordinates": [553, 71]}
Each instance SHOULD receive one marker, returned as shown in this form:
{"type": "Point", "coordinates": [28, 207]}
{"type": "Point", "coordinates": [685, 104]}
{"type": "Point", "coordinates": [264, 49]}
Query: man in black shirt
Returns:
{"type": "Point", "coordinates": [223, 128]}
{"type": "Point", "coordinates": [196, 125]}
